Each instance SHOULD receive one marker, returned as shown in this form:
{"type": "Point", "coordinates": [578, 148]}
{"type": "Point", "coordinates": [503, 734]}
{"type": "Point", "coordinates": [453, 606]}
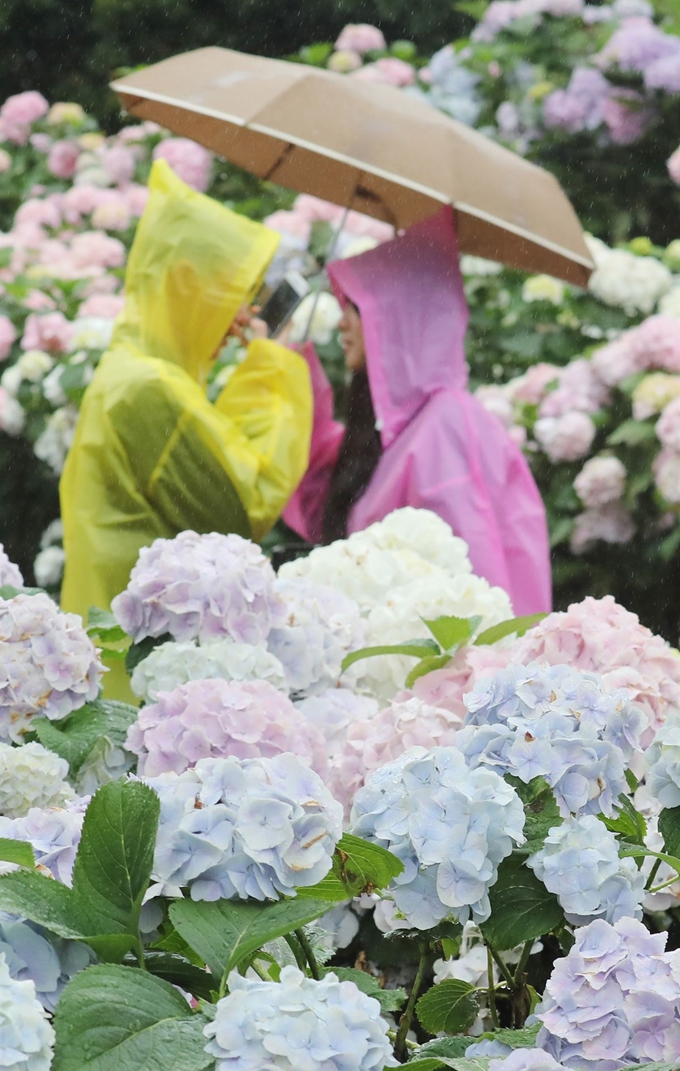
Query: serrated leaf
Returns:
{"type": "Point", "coordinates": [541, 812]}
{"type": "Point", "coordinates": [525, 1038]}
{"type": "Point", "coordinates": [447, 1047]}
{"type": "Point", "coordinates": [390, 1000]}
{"type": "Point", "coordinates": [40, 899]}
{"type": "Point", "coordinates": [225, 932]}
{"type": "Point", "coordinates": [102, 623]}
{"type": "Point", "coordinates": [8, 591]}
{"type": "Point", "coordinates": [426, 1064]}
{"type": "Point", "coordinates": [629, 824]}
{"type": "Point", "coordinates": [73, 737]}
{"type": "Point", "coordinates": [113, 1018]}
{"type": "Point", "coordinates": [137, 652]}
{"type": "Point", "coordinates": [358, 866]}
{"type": "Point", "coordinates": [179, 972]}
{"type": "Point", "coordinates": [450, 1007]}
{"type": "Point", "coordinates": [16, 851]}
{"type": "Point", "coordinates": [451, 631]}
{"type": "Point", "coordinates": [425, 666]}
{"type": "Point", "coordinates": [669, 827]}
{"type": "Point", "coordinates": [518, 625]}
{"type": "Point", "coordinates": [522, 909]}
{"type": "Point", "coordinates": [416, 649]}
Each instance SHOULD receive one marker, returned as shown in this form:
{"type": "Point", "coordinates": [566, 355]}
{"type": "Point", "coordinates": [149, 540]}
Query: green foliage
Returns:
{"type": "Point", "coordinates": [522, 909]}
{"type": "Point", "coordinates": [515, 626]}
{"type": "Point", "coordinates": [669, 827]}
{"type": "Point", "coordinates": [74, 737]}
{"type": "Point", "coordinates": [16, 851]}
{"type": "Point", "coordinates": [450, 1007]}
{"type": "Point", "coordinates": [390, 1000]}
{"type": "Point", "coordinates": [358, 866]}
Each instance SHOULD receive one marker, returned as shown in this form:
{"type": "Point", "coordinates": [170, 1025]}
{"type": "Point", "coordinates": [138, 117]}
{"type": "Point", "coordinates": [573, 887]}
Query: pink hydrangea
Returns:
{"type": "Point", "coordinates": [136, 197]}
{"type": "Point", "coordinates": [532, 386]}
{"type": "Point", "coordinates": [5, 161]}
{"type": "Point", "coordinates": [600, 636]}
{"type": "Point", "coordinates": [389, 70]}
{"type": "Point", "coordinates": [360, 37]}
{"type": "Point", "coordinates": [565, 438]}
{"type": "Point", "coordinates": [106, 306]}
{"type": "Point", "coordinates": [666, 469]}
{"type": "Point", "coordinates": [407, 722]}
{"type": "Point", "coordinates": [610, 524]}
{"type": "Point", "coordinates": [290, 222]}
{"type": "Point", "coordinates": [615, 361]}
{"type": "Point", "coordinates": [218, 718]}
{"type": "Point", "coordinates": [79, 201]}
{"type": "Point", "coordinates": [62, 158]}
{"type": "Point", "coordinates": [624, 115]}
{"type": "Point", "coordinates": [94, 249]}
{"type": "Point", "coordinates": [112, 213]}
{"type": "Point", "coordinates": [656, 343]}
{"type": "Point", "coordinates": [39, 301]}
{"type": "Point", "coordinates": [673, 165]}
{"type": "Point", "coordinates": [578, 389]}
{"type": "Point", "coordinates": [51, 332]}
{"type": "Point", "coordinates": [46, 213]}
{"type": "Point", "coordinates": [445, 688]}
{"type": "Point", "coordinates": [7, 337]}
{"type": "Point", "coordinates": [17, 114]}
{"type": "Point", "coordinates": [601, 480]}
{"type": "Point", "coordinates": [119, 164]}
{"type": "Point", "coordinates": [41, 142]}
{"type": "Point", "coordinates": [189, 160]}
{"type": "Point", "coordinates": [668, 426]}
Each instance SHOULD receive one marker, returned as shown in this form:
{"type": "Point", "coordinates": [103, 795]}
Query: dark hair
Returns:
{"type": "Point", "coordinates": [360, 452]}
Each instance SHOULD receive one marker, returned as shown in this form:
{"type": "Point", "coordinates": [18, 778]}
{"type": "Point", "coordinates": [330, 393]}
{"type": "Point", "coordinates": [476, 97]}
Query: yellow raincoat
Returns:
{"type": "Point", "coordinates": [151, 455]}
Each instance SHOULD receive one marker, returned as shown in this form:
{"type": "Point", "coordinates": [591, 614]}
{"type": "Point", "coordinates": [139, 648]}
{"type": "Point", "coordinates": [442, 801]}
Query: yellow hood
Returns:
{"type": "Point", "coordinates": [192, 265]}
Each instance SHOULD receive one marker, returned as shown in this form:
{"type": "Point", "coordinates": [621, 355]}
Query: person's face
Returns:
{"type": "Point", "coordinates": [352, 338]}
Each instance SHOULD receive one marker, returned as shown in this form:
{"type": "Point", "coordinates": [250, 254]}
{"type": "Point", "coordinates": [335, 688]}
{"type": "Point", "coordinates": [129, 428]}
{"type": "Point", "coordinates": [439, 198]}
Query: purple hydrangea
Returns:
{"type": "Point", "coordinates": [26, 1036]}
{"type": "Point", "coordinates": [636, 45]}
{"type": "Point", "coordinates": [207, 587]}
{"type": "Point", "coordinates": [244, 828]}
{"type": "Point", "coordinates": [556, 723]}
{"type": "Point", "coordinates": [217, 718]}
{"type": "Point", "coordinates": [614, 1000]}
{"type": "Point", "coordinates": [664, 73]}
{"type": "Point", "coordinates": [9, 572]}
{"type": "Point", "coordinates": [579, 106]}
{"type": "Point", "coordinates": [449, 825]}
{"type": "Point", "coordinates": [49, 666]}
{"type": "Point", "coordinates": [53, 833]}
{"type": "Point", "coordinates": [34, 954]}
{"type": "Point", "coordinates": [525, 1060]}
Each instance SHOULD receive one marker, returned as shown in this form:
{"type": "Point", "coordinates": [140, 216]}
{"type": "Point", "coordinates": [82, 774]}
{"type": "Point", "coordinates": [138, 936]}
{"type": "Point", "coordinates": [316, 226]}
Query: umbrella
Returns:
{"type": "Point", "coordinates": [374, 148]}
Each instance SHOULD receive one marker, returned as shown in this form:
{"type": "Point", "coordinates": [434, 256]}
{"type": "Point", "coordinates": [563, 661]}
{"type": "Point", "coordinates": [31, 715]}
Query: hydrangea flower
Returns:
{"type": "Point", "coordinates": [333, 711]}
{"type": "Point", "coordinates": [601, 480]}
{"type": "Point", "coordinates": [626, 280]}
{"type": "Point", "coordinates": [31, 953]}
{"type": "Point", "coordinates": [53, 833]}
{"type": "Point", "coordinates": [450, 826]}
{"type": "Point", "coordinates": [654, 392]}
{"type": "Point", "coordinates": [663, 759]}
{"type": "Point", "coordinates": [322, 625]}
{"type": "Point", "coordinates": [26, 1037]}
{"type": "Point", "coordinates": [580, 863]}
{"type": "Point", "coordinates": [48, 664]}
{"type": "Point", "coordinates": [613, 1000]}
{"type": "Point", "coordinates": [612, 523]}
{"type": "Point", "coordinates": [567, 437]}
{"type": "Point", "coordinates": [244, 828]}
{"type": "Point", "coordinates": [206, 587]}
{"type": "Point", "coordinates": [216, 718]}
{"type": "Point", "coordinates": [424, 533]}
{"type": "Point", "coordinates": [9, 572]}
{"type": "Point", "coordinates": [523, 1060]}
{"type": "Point", "coordinates": [556, 723]}
{"type": "Point", "coordinates": [31, 776]}
{"type": "Point", "coordinates": [298, 1024]}
{"type": "Point", "coordinates": [171, 664]}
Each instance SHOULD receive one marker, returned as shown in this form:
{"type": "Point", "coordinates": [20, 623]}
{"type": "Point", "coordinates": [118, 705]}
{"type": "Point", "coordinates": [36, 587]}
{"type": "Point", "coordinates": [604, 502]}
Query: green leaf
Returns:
{"type": "Point", "coordinates": [391, 1000]}
{"type": "Point", "coordinates": [522, 909]}
{"type": "Point", "coordinates": [426, 665]}
{"type": "Point", "coordinates": [448, 1048]}
{"type": "Point", "coordinates": [137, 652]}
{"type": "Point", "coordinates": [632, 433]}
{"type": "Point", "coordinates": [40, 899]}
{"type": "Point", "coordinates": [113, 864]}
{"type": "Point", "coordinates": [639, 851]}
{"type": "Point", "coordinates": [451, 631]}
{"type": "Point", "coordinates": [176, 970]}
{"type": "Point", "coordinates": [7, 591]}
{"type": "Point", "coordinates": [525, 1038]}
{"type": "Point", "coordinates": [113, 1018]}
{"type": "Point", "coordinates": [628, 824]}
{"type": "Point", "coordinates": [426, 1064]}
{"type": "Point", "coordinates": [518, 625]}
{"type": "Point", "coordinates": [669, 827]}
{"type": "Point", "coordinates": [416, 648]}
{"type": "Point", "coordinates": [103, 624]}
{"type": "Point", "coordinates": [225, 932]}
{"type": "Point", "coordinates": [358, 866]}
{"type": "Point", "coordinates": [16, 851]}
{"type": "Point", "coordinates": [450, 1007]}
{"type": "Point", "coordinates": [541, 814]}
{"type": "Point", "coordinates": [74, 736]}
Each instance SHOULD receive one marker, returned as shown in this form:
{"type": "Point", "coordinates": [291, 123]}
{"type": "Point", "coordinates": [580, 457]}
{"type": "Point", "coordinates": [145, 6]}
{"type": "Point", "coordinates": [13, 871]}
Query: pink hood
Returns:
{"type": "Point", "coordinates": [441, 449]}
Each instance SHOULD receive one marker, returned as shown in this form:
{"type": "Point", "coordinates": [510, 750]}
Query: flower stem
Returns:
{"type": "Point", "coordinates": [296, 950]}
{"type": "Point", "coordinates": [507, 977]}
{"type": "Point", "coordinates": [309, 953]}
{"type": "Point", "coordinates": [522, 965]}
{"type": "Point", "coordinates": [652, 874]}
{"type": "Point", "coordinates": [400, 1044]}
{"type": "Point", "coordinates": [493, 1010]}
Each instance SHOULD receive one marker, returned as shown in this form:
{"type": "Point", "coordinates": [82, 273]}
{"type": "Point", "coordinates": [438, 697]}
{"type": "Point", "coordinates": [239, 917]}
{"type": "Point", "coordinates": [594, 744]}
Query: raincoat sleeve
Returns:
{"type": "Point", "coordinates": [304, 512]}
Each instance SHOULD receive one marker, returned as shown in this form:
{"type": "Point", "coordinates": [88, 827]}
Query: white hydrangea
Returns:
{"type": "Point", "coordinates": [670, 303]}
{"type": "Point", "coordinates": [91, 333]}
{"type": "Point", "coordinates": [26, 1037]}
{"type": "Point", "coordinates": [400, 619]}
{"type": "Point", "coordinates": [56, 440]}
{"type": "Point", "coordinates": [105, 762]}
{"type": "Point", "coordinates": [633, 283]}
{"type": "Point", "coordinates": [31, 776]}
{"type": "Point", "coordinates": [321, 626]}
{"type": "Point", "coordinates": [171, 664]}
{"type": "Point", "coordinates": [325, 318]}
{"type": "Point", "coordinates": [424, 533]}
{"type": "Point", "coordinates": [9, 572]}
{"type": "Point", "coordinates": [334, 710]}
{"type": "Point", "coordinates": [601, 480]}
{"type": "Point", "coordinates": [543, 288]}
{"type": "Point", "coordinates": [33, 365]}
{"type": "Point", "coordinates": [12, 414]}
{"type": "Point", "coordinates": [49, 566]}
{"type": "Point", "coordinates": [48, 664]}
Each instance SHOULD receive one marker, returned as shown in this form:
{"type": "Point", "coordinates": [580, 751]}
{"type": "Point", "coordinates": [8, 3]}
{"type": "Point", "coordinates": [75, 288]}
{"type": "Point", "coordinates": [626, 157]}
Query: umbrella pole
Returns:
{"type": "Point", "coordinates": [331, 251]}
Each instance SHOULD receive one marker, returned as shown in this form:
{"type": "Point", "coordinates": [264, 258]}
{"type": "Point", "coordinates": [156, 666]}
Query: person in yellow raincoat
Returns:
{"type": "Point", "coordinates": [151, 455]}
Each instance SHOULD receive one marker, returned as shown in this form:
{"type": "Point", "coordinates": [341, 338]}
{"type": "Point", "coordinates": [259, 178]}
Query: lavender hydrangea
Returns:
{"type": "Point", "coordinates": [26, 1037]}
{"type": "Point", "coordinates": [171, 664]}
{"type": "Point", "coordinates": [298, 1024]}
{"type": "Point", "coordinates": [32, 953]}
{"type": "Point", "coordinates": [216, 718]}
{"type": "Point", "coordinates": [663, 759]}
{"type": "Point", "coordinates": [48, 664]}
{"type": "Point", "coordinates": [9, 572]}
{"type": "Point", "coordinates": [580, 863]}
{"type": "Point", "coordinates": [523, 1060]}
{"type": "Point", "coordinates": [31, 776]}
{"type": "Point", "coordinates": [450, 826]}
{"type": "Point", "coordinates": [205, 587]}
{"type": "Point", "coordinates": [322, 625]}
{"type": "Point", "coordinates": [556, 723]}
{"type": "Point", "coordinates": [244, 828]}
{"type": "Point", "coordinates": [333, 711]}
{"type": "Point", "coordinates": [614, 1000]}
{"type": "Point", "coordinates": [53, 833]}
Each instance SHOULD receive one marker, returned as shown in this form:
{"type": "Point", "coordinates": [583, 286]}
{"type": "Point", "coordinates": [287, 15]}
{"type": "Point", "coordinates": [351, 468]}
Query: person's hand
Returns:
{"type": "Point", "coordinates": [246, 326]}
{"type": "Point", "coordinates": [258, 328]}
{"type": "Point", "coordinates": [284, 334]}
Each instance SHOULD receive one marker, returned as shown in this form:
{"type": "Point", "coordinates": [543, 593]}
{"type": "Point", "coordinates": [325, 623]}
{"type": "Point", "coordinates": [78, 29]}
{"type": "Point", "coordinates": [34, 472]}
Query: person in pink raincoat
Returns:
{"type": "Point", "coordinates": [415, 436]}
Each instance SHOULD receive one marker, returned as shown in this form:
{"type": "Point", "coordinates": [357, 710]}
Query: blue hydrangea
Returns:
{"type": "Point", "coordinates": [53, 833]}
{"type": "Point", "coordinates": [526, 1060]}
{"type": "Point", "coordinates": [239, 828]}
{"type": "Point", "coordinates": [556, 723]}
{"type": "Point", "coordinates": [450, 826]}
{"type": "Point", "coordinates": [580, 863]}
{"type": "Point", "coordinates": [26, 1037]}
{"type": "Point", "coordinates": [663, 758]}
{"type": "Point", "coordinates": [298, 1024]}
{"type": "Point", "coordinates": [48, 961]}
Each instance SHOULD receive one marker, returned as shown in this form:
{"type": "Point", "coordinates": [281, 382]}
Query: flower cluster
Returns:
{"type": "Point", "coordinates": [333, 712]}
{"type": "Point", "coordinates": [217, 718]}
{"type": "Point", "coordinates": [244, 828]}
{"type": "Point", "coordinates": [53, 833]}
{"type": "Point", "coordinates": [26, 1036]}
{"type": "Point", "coordinates": [31, 776]}
{"type": "Point", "coordinates": [663, 760]}
{"type": "Point", "coordinates": [614, 999]}
{"type": "Point", "coordinates": [556, 723]}
{"type": "Point", "coordinates": [450, 826]}
{"type": "Point", "coordinates": [298, 1024]}
{"type": "Point", "coordinates": [321, 626]}
{"type": "Point", "coordinates": [580, 863]}
{"type": "Point", "coordinates": [602, 480]}
{"type": "Point", "coordinates": [171, 664]}
{"type": "Point", "coordinates": [9, 572]}
{"type": "Point", "coordinates": [206, 587]}
{"type": "Point", "coordinates": [49, 665]}
{"type": "Point", "coordinates": [46, 960]}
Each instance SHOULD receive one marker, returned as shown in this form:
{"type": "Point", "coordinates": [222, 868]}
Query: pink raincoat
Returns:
{"type": "Point", "coordinates": [441, 449]}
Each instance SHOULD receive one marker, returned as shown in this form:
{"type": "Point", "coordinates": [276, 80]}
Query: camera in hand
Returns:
{"type": "Point", "coordinates": [283, 302]}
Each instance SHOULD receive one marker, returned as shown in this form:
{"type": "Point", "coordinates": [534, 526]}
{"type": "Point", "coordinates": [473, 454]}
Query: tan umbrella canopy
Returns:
{"type": "Point", "coordinates": [364, 145]}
